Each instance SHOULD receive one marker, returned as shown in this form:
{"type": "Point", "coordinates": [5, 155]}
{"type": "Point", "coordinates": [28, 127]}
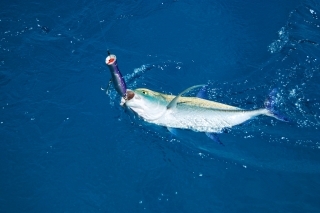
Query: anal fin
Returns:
{"type": "Point", "coordinates": [173, 131]}
{"type": "Point", "coordinates": [214, 137]}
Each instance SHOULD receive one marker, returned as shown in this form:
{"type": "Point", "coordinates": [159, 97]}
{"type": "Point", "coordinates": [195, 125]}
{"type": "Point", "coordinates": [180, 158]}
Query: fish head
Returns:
{"type": "Point", "coordinates": [146, 103]}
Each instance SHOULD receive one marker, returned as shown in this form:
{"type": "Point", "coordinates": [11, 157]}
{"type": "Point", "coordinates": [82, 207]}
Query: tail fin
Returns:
{"type": "Point", "coordinates": [269, 105]}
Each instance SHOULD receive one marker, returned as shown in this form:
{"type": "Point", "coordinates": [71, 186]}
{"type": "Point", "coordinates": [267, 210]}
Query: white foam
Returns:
{"type": "Point", "coordinates": [278, 44]}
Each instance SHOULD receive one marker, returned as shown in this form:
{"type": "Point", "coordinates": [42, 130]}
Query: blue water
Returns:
{"type": "Point", "coordinates": [67, 146]}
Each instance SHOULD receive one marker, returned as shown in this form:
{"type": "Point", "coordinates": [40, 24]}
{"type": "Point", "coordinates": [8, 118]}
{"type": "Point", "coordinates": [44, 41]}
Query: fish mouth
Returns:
{"type": "Point", "coordinates": [129, 95]}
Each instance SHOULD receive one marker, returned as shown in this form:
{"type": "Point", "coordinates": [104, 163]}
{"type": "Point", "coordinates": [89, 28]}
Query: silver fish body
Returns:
{"type": "Point", "coordinates": [189, 112]}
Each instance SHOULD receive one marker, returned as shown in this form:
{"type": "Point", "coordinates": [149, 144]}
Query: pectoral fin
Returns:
{"type": "Point", "coordinates": [174, 101]}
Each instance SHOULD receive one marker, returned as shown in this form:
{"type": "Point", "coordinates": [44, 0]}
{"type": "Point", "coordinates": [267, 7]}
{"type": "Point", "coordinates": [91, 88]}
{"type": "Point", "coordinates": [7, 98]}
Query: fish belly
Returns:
{"type": "Point", "coordinates": [206, 120]}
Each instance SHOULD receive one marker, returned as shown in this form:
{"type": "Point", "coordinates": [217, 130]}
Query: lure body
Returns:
{"type": "Point", "coordinates": [116, 76]}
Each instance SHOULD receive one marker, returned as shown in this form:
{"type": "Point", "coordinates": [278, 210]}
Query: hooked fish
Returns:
{"type": "Point", "coordinates": [192, 113]}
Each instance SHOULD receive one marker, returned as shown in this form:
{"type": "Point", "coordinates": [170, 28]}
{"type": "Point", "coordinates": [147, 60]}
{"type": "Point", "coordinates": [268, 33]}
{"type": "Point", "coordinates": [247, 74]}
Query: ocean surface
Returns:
{"type": "Point", "coordinates": [66, 145]}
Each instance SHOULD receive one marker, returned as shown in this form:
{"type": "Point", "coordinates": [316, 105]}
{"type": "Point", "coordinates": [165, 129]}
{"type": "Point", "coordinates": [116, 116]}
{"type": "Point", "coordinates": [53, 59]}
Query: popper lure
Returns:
{"type": "Point", "coordinates": [116, 76]}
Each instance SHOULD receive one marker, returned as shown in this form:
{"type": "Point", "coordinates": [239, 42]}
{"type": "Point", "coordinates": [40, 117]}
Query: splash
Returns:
{"type": "Point", "coordinates": [278, 44]}
{"type": "Point", "coordinates": [137, 72]}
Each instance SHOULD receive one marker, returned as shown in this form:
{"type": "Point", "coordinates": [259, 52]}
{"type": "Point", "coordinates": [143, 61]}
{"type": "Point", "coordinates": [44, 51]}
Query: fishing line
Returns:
{"type": "Point", "coordinates": [98, 18]}
{"type": "Point", "coordinates": [116, 76]}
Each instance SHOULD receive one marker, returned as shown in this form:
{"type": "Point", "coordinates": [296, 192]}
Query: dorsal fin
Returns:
{"type": "Point", "coordinates": [174, 101]}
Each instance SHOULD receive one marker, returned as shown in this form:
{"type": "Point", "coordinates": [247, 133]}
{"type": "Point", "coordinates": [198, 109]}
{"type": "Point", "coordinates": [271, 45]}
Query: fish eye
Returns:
{"type": "Point", "coordinates": [144, 92]}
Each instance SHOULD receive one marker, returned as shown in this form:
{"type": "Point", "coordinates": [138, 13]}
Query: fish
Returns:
{"type": "Point", "coordinates": [194, 113]}
{"type": "Point", "coordinates": [116, 76]}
